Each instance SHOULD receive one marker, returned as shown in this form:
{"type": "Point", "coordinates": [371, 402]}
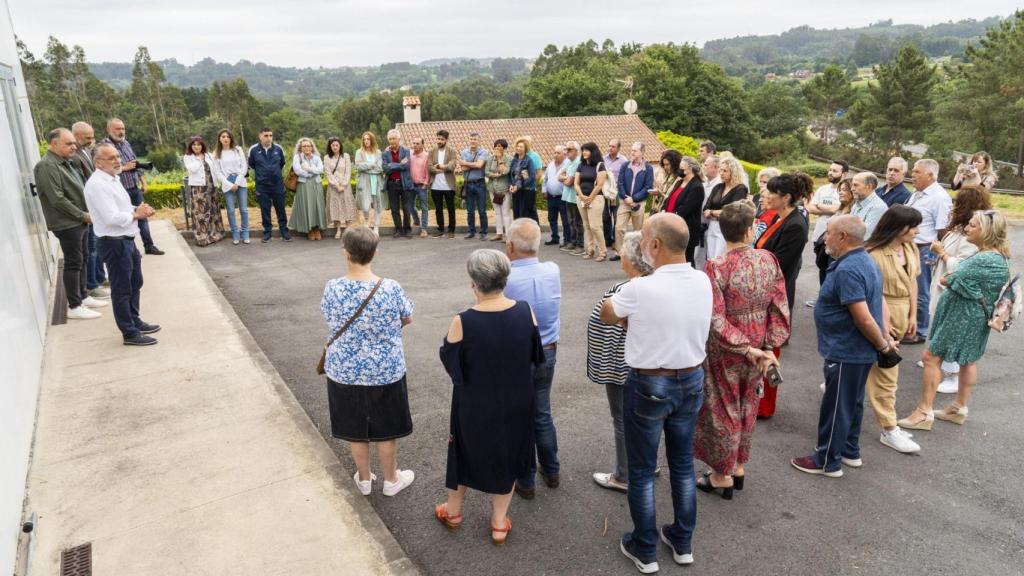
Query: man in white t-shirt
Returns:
{"type": "Point", "coordinates": [669, 316]}
{"type": "Point", "coordinates": [823, 204]}
{"type": "Point", "coordinates": [935, 205]}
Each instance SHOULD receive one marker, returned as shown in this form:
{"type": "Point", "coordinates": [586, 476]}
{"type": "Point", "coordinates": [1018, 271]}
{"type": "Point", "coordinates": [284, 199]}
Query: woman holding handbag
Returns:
{"type": "Point", "coordinates": [496, 168]}
{"type": "Point", "coordinates": [365, 364]}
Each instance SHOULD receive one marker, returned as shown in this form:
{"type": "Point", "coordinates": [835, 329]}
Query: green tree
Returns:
{"type": "Point", "coordinates": [777, 110]}
{"type": "Point", "coordinates": [898, 109]}
{"type": "Point", "coordinates": [147, 81]}
{"type": "Point", "coordinates": [232, 101]}
{"type": "Point", "coordinates": [826, 94]}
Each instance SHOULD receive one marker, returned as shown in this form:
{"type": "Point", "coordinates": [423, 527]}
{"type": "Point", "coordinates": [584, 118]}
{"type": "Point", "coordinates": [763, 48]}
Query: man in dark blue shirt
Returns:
{"type": "Point", "coordinates": [266, 160]}
{"type": "Point", "coordinates": [852, 326]}
{"type": "Point", "coordinates": [894, 191]}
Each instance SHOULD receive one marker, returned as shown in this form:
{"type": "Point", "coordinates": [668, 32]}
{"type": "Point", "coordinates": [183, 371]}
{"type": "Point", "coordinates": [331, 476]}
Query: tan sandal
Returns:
{"type": "Point", "coordinates": [923, 424]}
{"type": "Point", "coordinates": [953, 413]}
{"type": "Point", "coordinates": [505, 531]}
{"type": "Point", "coordinates": [450, 522]}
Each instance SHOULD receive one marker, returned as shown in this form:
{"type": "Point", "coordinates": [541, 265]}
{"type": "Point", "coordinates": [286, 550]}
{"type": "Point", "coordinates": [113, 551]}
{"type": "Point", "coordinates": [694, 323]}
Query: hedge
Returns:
{"type": "Point", "coordinates": [688, 146]}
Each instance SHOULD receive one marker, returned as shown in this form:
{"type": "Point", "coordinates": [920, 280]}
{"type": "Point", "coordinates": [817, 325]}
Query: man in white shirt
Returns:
{"type": "Point", "coordinates": [116, 223]}
{"type": "Point", "coordinates": [710, 165]}
{"type": "Point", "coordinates": [823, 204]}
{"type": "Point", "coordinates": [867, 205]}
{"type": "Point", "coordinates": [935, 205]}
{"type": "Point", "coordinates": [669, 315]}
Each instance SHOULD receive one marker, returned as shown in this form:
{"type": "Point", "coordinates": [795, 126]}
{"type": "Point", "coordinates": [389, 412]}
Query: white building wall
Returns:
{"type": "Point", "coordinates": [26, 272]}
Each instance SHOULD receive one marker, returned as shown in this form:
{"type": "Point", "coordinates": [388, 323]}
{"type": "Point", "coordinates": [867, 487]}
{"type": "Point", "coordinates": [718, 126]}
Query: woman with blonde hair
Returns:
{"type": "Point", "coordinates": [731, 189]}
{"type": "Point", "coordinates": [959, 331]}
{"type": "Point", "coordinates": [341, 208]}
{"type": "Point", "coordinates": [523, 181]}
{"type": "Point", "coordinates": [763, 177]}
{"type": "Point", "coordinates": [309, 214]}
{"type": "Point", "coordinates": [982, 162]}
{"type": "Point", "coordinates": [370, 180]}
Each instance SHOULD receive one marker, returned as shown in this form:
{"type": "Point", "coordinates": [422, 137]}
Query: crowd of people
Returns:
{"type": "Point", "coordinates": [896, 268]}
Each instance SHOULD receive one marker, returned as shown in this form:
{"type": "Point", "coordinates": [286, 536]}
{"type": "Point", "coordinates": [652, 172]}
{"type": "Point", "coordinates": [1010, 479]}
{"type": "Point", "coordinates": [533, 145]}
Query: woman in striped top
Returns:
{"type": "Point", "coordinates": [606, 363]}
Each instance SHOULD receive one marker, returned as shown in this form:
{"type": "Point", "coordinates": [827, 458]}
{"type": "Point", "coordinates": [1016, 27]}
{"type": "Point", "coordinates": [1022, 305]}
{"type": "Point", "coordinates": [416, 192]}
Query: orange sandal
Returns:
{"type": "Point", "coordinates": [450, 522]}
{"type": "Point", "coordinates": [505, 531]}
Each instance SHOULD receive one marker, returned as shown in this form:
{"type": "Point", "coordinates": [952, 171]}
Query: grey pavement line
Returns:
{"type": "Point", "coordinates": [395, 558]}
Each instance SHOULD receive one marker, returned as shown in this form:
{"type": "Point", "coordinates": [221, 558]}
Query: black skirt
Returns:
{"type": "Point", "coordinates": [369, 413]}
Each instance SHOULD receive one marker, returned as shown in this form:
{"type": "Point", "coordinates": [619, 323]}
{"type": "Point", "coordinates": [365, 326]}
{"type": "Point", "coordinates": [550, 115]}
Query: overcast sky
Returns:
{"type": "Point", "coordinates": [355, 33]}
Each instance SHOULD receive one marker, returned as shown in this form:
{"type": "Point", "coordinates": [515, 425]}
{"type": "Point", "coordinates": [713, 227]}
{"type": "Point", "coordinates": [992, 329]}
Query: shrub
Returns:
{"type": "Point", "coordinates": [164, 158]}
{"type": "Point", "coordinates": [688, 146]}
{"type": "Point", "coordinates": [812, 169]}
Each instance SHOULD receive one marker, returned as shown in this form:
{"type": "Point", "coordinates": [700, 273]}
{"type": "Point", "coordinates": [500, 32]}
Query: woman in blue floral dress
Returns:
{"type": "Point", "coordinates": [365, 365]}
{"type": "Point", "coordinates": [960, 329]}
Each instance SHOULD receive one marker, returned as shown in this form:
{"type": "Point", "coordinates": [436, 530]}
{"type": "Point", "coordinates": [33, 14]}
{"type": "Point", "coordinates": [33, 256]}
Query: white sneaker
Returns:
{"type": "Point", "coordinates": [810, 303]}
{"type": "Point", "coordinates": [99, 292]}
{"type": "Point", "coordinates": [82, 313]}
{"type": "Point", "coordinates": [405, 477]}
{"type": "Point", "coordinates": [920, 363]}
{"type": "Point", "coordinates": [822, 386]}
{"type": "Point", "coordinates": [950, 383]}
{"type": "Point", "coordinates": [899, 441]}
{"type": "Point", "coordinates": [852, 462]}
{"type": "Point", "coordinates": [365, 486]}
{"type": "Point", "coordinates": [90, 302]}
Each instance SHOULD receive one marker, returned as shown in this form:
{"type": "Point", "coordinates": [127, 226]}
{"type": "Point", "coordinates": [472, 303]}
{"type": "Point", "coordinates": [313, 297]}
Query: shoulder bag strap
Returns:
{"type": "Point", "coordinates": [323, 356]}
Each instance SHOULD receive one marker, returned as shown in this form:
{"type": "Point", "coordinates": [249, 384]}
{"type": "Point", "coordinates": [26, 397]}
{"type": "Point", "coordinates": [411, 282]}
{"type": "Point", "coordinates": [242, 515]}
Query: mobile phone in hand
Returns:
{"type": "Point", "coordinates": [774, 376]}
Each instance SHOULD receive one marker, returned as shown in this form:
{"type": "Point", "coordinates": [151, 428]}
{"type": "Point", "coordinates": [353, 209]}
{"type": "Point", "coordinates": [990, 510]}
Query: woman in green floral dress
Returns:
{"type": "Point", "coordinates": [960, 329]}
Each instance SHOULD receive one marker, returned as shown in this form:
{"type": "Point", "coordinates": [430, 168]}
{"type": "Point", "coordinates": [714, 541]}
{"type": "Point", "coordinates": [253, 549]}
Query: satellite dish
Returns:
{"type": "Point", "coordinates": [630, 106]}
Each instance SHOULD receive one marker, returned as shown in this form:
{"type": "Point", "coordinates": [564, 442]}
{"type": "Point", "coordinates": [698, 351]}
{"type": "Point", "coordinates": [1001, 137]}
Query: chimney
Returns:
{"type": "Point", "coordinates": [411, 109]}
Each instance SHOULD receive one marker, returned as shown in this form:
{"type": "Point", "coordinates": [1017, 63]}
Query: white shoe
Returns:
{"type": "Point", "coordinates": [99, 292]}
{"type": "Point", "coordinates": [810, 303]}
{"type": "Point", "coordinates": [950, 384]}
{"type": "Point", "coordinates": [82, 313]}
{"type": "Point", "coordinates": [405, 477]}
{"type": "Point", "coordinates": [822, 386]}
{"type": "Point", "coordinates": [852, 462]}
{"type": "Point", "coordinates": [365, 486]}
{"type": "Point", "coordinates": [90, 302]}
{"type": "Point", "coordinates": [920, 363]}
{"type": "Point", "coordinates": [899, 441]}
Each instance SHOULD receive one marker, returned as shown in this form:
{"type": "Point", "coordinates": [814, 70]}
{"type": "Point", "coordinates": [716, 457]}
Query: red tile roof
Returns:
{"type": "Point", "coordinates": [545, 132]}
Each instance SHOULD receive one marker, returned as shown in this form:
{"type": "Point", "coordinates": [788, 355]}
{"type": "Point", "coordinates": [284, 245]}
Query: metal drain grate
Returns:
{"type": "Point", "coordinates": [76, 561]}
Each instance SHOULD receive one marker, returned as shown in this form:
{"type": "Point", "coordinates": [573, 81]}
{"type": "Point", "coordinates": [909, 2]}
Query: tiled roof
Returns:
{"type": "Point", "coordinates": [545, 132]}
{"type": "Point", "coordinates": [411, 101]}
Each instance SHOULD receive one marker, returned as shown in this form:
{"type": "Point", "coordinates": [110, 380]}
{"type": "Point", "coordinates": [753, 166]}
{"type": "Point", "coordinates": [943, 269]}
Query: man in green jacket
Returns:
{"type": "Point", "coordinates": [60, 188]}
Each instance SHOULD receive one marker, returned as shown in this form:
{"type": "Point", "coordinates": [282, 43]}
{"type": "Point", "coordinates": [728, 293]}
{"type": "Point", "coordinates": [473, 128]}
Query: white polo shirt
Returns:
{"type": "Point", "coordinates": [669, 316]}
{"type": "Point", "coordinates": [935, 206]}
{"type": "Point", "coordinates": [827, 195]}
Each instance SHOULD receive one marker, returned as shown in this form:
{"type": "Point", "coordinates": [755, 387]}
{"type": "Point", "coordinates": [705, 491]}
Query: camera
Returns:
{"type": "Point", "coordinates": [141, 165]}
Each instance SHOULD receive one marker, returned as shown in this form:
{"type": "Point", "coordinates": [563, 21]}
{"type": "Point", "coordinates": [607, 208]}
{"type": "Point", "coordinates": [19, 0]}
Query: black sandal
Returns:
{"type": "Point", "coordinates": [737, 482]}
{"type": "Point", "coordinates": [704, 485]}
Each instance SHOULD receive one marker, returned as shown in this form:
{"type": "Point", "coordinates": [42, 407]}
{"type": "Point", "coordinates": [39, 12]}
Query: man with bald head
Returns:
{"type": "Point", "coordinates": [669, 314]}
{"type": "Point", "coordinates": [60, 188]}
{"type": "Point", "coordinates": [853, 333]}
{"type": "Point", "coordinates": [132, 177]}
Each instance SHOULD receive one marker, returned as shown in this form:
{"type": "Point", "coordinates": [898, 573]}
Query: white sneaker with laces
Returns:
{"type": "Point", "coordinates": [899, 441]}
{"type": "Point", "coordinates": [99, 292]}
{"type": "Point", "coordinates": [83, 313]}
{"type": "Point", "coordinates": [90, 302]}
{"type": "Point", "coordinates": [950, 383]}
{"type": "Point", "coordinates": [365, 486]}
{"type": "Point", "coordinates": [405, 477]}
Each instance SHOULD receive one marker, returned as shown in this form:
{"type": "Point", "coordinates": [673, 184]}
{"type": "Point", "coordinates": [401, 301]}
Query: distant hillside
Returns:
{"type": "Point", "coordinates": [806, 47]}
{"type": "Point", "coordinates": [278, 82]}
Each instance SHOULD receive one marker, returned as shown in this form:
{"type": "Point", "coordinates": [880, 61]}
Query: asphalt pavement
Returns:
{"type": "Point", "coordinates": [956, 508]}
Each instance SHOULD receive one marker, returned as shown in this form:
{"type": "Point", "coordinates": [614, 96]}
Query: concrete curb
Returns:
{"type": "Point", "coordinates": [397, 563]}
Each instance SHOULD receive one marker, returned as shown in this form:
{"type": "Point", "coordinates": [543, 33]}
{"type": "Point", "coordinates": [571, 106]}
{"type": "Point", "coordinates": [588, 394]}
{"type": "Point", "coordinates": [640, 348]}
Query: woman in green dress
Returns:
{"type": "Point", "coordinates": [309, 211]}
{"type": "Point", "coordinates": [960, 327]}
{"type": "Point", "coordinates": [370, 181]}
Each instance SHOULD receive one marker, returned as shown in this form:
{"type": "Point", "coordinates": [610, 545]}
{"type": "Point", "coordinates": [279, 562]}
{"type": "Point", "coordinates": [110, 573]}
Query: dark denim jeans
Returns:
{"type": "Point", "coordinates": [543, 425]}
{"type": "Point", "coordinates": [96, 274]}
{"type": "Point", "coordinates": [924, 288]}
{"type": "Point", "coordinates": [420, 218]}
{"type": "Point", "coordinates": [124, 264]}
{"type": "Point", "coordinates": [651, 404]}
{"type": "Point", "coordinates": [476, 201]}
{"type": "Point", "coordinates": [135, 195]}
{"type": "Point", "coordinates": [556, 210]}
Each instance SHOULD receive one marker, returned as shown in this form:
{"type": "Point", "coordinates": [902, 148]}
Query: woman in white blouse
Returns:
{"type": "Point", "coordinates": [229, 170]}
{"type": "Point", "coordinates": [205, 210]}
{"type": "Point", "coordinates": [309, 215]}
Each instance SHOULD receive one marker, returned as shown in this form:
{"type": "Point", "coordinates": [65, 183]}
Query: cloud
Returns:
{"type": "Point", "coordinates": [352, 33]}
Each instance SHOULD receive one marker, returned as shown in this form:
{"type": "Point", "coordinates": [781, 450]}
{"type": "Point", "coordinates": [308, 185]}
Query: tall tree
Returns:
{"type": "Point", "coordinates": [147, 81]}
{"type": "Point", "coordinates": [898, 109]}
{"type": "Point", "coordinates": [776, 110]}
{"type": "Point", "coordinates": [233, 102]}
{"type": "Point", "coordinates": [827, 94]}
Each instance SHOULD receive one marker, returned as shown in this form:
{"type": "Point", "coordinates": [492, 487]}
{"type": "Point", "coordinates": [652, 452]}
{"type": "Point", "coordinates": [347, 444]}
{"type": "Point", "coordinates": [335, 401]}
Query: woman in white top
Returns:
{"type": "Point", "coordinates": [341, 207]}
{"type": "Point", "coordinates": [205, 210]}
{"type": "Point", "coordinates": [309, 214]}
{"type": "Point", "coordinates": [370, 179]}
{"type": "Point", "coordinates": [229, 169]}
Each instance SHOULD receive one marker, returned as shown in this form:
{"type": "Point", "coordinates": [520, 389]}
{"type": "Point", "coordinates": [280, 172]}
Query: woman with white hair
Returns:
{"type": "Point", "coordinates": [489, 352]}
{"type": "Point", "coordinates": [309, 212]}
{"type": "Point", "coordinates": [729, 190]}
{"type": "Point", "coordinates": [606, 360]}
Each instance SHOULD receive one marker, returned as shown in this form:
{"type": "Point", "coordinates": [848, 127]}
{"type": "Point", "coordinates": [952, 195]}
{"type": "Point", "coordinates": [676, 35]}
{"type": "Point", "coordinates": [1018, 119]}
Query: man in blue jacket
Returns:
{"type": "Point", "coordinates": [266, 160]}
{"type": "Point", "coordinates": [398, 182]}
{"type": "Point", "coordinates": [635, 182]}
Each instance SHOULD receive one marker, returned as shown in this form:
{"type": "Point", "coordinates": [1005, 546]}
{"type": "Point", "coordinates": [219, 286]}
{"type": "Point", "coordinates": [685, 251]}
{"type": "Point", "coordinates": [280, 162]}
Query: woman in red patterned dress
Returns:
{"type": "Point", "coordinates": [749, 318]}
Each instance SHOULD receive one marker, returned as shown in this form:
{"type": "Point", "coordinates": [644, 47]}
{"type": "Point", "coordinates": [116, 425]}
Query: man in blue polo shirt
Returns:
{"type": "Point", "coordinates": [894, 191]}
{"type": "Point", "coordinates": [852, 326]}
{"type": "Point", "coordinates": [266, 160]}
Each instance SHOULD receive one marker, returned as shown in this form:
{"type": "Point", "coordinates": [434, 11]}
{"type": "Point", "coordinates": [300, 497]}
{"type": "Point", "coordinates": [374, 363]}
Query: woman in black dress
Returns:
{"type": "Point", "coordinates": [730, 190]}
{"type": "Point", "coordinates": [489, 353]}
{"type": "Point", "coordinates": [687, 199]}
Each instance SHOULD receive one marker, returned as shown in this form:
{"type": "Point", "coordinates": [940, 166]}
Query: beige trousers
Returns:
{"type": "Point", "coordinates": [593, 226]}
{"type": "Point", "coordinates": [881, 385]}
{"type": "Point", "coordinates": [623, 217]}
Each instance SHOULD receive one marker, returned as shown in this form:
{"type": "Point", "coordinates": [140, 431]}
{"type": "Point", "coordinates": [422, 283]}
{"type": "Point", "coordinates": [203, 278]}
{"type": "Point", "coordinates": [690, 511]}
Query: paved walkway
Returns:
{"type": "Point", "coordinates": [192, 456]}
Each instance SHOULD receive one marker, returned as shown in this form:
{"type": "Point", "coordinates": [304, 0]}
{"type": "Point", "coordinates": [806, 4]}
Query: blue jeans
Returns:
{"type": "Point", "coordinates": [651, 404]}
{"type": "Point", "coordinates": [924, 290]}
{"type": "Point", "coordinates": [842, 410]}
{"type": "Point", "coordinates": [135, 195]}
{"type": "Point", "coordinates": [241, 197]}
{"type": "Point", "coordinates": [95, 274]}
{"type": "Point", "coordinates": [543, 426]}
{"type": "Point", "coordinates": [124, 264]}
{"type": "Point", "coordinates": [476, 201]}
{"type": "Point", "coordinates": [420, 218]}
{"type": "Point", "coordinates": [556, 209]}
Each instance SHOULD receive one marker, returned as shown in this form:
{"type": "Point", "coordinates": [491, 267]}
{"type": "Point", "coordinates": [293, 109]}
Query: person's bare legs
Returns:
{"type": "Point", "coordinates": [932, 377]}
{"type": "Point", "coordinates": [455, 498]}
{"type": "Point", "coordinates": [499, 513]}
{"type": "Point", "coordinates": [968, 378]}
{"type": "Point", "coordinates": [387, 453]}
{"type": "Point", "coordinates": [361, 456]}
